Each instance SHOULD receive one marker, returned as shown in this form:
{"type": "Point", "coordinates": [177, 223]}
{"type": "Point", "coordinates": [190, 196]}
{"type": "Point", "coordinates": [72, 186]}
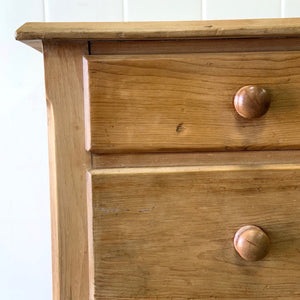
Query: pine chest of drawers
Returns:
{"type": "Point", "coordinates": [174, 158]}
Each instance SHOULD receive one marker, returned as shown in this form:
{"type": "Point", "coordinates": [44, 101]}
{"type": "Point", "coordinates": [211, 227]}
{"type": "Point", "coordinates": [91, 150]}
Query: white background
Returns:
{"type": "Point", "coordinates": [25, 251]}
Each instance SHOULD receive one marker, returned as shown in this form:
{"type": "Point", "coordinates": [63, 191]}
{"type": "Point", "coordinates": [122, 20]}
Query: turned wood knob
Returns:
{"type": "Point", "coordinates": [251, 243]}
{"type": "Point", "coordinates": [252, 101]}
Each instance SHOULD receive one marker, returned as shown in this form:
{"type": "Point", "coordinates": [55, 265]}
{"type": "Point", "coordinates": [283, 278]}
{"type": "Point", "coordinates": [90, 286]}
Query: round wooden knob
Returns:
{"type": "Point", "coordinates": [251, 243]}
{"type": "Point", "coordinates": [252, 101]}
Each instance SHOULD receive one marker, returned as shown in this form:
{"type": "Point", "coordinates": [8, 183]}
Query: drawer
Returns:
{"type": "Point", "coordinates": [184, 102]}
{"type": "Point", "coordinates": [162, 233]}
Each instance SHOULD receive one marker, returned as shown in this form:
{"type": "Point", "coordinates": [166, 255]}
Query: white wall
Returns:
{"type": "Point", "coordinates": [25, 257]}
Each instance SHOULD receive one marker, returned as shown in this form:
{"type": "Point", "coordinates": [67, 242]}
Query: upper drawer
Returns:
{"type": "Point", "coordinates": [184, 102]}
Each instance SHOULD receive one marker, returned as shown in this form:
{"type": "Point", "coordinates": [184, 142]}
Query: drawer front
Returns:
{"type": "Point", "coordinates": [168, 232]}
{"type": "Point", "coordinates": [184, 102]}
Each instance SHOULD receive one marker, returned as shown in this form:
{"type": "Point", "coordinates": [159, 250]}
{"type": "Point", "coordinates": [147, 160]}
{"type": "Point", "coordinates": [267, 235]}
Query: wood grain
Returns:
{"type": "Point", "coordinates": [194, 46]}
{"type": "Point", "coordinates": [68, 164]}
{"type": "Point", "coordinates": [168, 232]}
{"type": "Point", "coordinates": [138, 160]}
{"type": "Point", "coordinates": [184, 102]}
{"type": "Point", "coordinates": [161, 225]}
{"type": "Point", "coordinates": [159, 30]}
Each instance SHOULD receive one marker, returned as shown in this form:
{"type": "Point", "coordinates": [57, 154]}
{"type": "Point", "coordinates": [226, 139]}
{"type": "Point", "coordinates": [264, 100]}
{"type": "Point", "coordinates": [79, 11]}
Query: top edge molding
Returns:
{"type": "Point", "coordinates": [160, 30]}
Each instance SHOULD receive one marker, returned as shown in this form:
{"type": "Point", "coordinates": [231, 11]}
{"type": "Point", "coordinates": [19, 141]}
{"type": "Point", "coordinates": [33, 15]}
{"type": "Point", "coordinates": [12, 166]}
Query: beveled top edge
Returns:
{"type": "Point", "coordinates": [160, 30]}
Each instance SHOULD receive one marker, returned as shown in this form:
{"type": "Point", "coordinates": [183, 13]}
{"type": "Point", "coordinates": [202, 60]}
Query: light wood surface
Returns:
{"type": "Point", "coordinates": [184, 102]}
{"type": "Point", "coordinates": [68, 164]}
{"type": "Point", "coordinates": [35, 32]}
{"type": "Point", "coordinates": [168, 232]}
{"type": "Point", "coordinates": [159, 30]}
{"type": "Point", "coordinates": [131, 222]}
{"type": "Point", "coordinates": [138, 160]}
{"type": "Point", "coordinates": [194, 45]}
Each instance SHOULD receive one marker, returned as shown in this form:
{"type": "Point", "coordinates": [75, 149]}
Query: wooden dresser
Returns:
{"type": "Point", "coordinates": [174, 158]}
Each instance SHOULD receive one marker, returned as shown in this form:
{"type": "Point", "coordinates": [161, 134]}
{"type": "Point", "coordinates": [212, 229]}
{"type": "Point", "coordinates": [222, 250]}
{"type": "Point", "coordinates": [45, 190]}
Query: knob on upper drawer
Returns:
{"type": "Point", "coordinates": [252, 101]}
{"type": "Point", "coordinates": [251, 242]}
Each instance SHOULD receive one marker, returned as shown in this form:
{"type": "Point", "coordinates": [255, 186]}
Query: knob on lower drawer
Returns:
{"type": "Point", "coordinates": [251, 242]}
{"type": "Point", "coordinates": [252, 101]}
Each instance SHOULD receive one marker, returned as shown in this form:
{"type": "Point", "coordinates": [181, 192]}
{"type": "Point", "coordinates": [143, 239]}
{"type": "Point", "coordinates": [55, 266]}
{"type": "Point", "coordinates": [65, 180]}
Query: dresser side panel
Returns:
{"type": "Point", "coordinates": [68, 164]}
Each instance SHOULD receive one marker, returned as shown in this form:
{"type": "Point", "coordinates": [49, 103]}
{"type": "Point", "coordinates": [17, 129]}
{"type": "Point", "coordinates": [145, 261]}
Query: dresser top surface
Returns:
{"type": "Point", "coordinates": [159, 30]}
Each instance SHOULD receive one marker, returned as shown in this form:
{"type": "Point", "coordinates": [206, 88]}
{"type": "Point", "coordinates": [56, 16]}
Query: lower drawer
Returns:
{"type": "Point", "coordinates": [168, 232]}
